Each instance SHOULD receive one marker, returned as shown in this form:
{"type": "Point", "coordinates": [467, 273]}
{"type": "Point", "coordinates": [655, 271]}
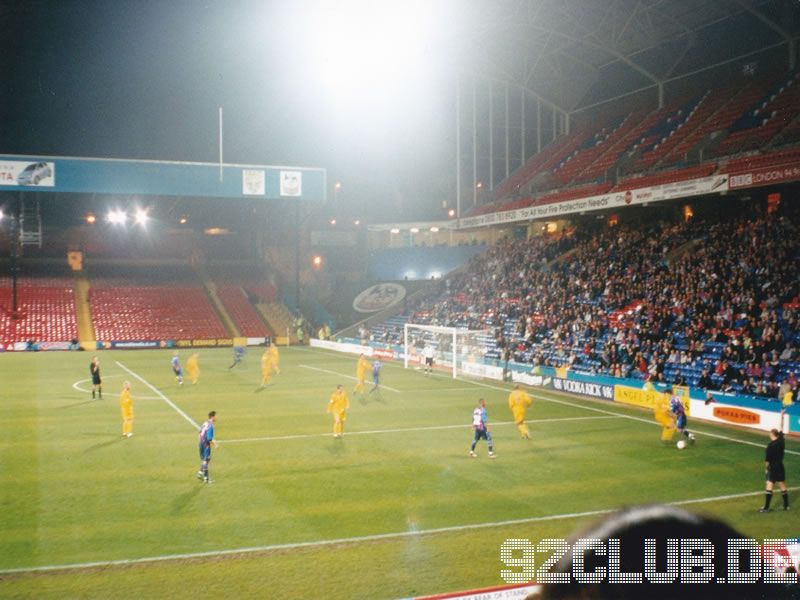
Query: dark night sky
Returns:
{"type": "Point", "coordinates": [144, 79]}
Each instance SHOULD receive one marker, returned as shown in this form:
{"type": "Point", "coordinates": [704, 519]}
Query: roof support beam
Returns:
{"type": "Point", "coordinates": [775, 27]}
{"type": "Point", "coordinates": [636, 67]}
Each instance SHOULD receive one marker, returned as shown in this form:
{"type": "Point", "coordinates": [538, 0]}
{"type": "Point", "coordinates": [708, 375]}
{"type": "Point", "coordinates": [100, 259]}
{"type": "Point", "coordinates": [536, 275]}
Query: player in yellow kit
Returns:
{"type": "Point", "coordinates": [518, 402]}
{"type": "Point", "coordinates": [338, 405]}
{"type": "Point", "coordinates": [266, 368]}
{"type": "Point", "coordinates": [362, 368]}
{"type": "Point", "coordinates": [193, 368]}
{"type": "Point", "coordinates": [126, 406]}
{"type": "Point", "coordinates": [274, 358]}
{"type": "Point", "coordinates": [665, 417]}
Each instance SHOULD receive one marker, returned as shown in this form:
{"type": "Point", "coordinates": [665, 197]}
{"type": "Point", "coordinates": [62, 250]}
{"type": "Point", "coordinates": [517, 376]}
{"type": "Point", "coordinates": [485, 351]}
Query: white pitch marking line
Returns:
{"type": "Point", "coordinates": [463, 389]}
{"type": "Point", "coordinates": [363, 538]}
{"type": "Point", "coordinates": [303, 436]}
{"type": "Point", "coordinates": [77, 386]}
{"type": "Point", "coordinates": [384, 387]}
{"type": "Point", "coordinates": [161, 396]}
{"type": "Point", "coordinates": [631, 417]}
{"type": "Point", "coordinates": [607, 412]}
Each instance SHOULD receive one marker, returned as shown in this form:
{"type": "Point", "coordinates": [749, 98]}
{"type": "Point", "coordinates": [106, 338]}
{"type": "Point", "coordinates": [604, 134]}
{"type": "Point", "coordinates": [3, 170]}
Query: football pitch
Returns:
{"type": "Point", "coordinates": [394, 509]}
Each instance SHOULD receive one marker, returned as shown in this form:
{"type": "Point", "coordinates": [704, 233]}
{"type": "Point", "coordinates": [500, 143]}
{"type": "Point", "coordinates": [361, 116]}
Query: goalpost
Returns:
{"type": "Point", "coordinates": [452, 346]}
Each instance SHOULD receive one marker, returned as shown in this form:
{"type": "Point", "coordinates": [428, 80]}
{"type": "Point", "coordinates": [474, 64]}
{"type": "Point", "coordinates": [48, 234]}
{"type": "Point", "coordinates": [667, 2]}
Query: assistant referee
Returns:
{"type": "Point", "coordinates": [773, 464]}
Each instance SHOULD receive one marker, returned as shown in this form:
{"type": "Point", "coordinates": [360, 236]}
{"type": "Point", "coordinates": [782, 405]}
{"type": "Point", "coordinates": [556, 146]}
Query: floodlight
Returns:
{"type": "Point", "coordinates": [394, 230]}
{"type": "Point", "coordinates": [91, 219]}
{"type": "Point", "coordinates": [116, 217]}
{"type": "Point", "coordinates": [451, 213]}
{"type": "Point", "coordinates": [414, 230]}
{"type": "Point", "coordinates": [367, 51]}
{"type": "Point", "coordinates": [1, 215]}
{"type": "Point", "coordinates": [333, 221]}
{"type": "Point", "coordinates": [357, 222]}
{"type": "Point", "coordinates": [141, 216]}
{"type": "Point", "coordinates": [434, 229]}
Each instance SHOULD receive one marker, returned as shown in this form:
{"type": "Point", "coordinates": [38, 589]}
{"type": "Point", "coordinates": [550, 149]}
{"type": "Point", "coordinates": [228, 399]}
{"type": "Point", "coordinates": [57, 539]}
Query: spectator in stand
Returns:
{"type": "Point", "coordinates": [705, 380]}
{"type": "Point", "coordinates": [616, 304]}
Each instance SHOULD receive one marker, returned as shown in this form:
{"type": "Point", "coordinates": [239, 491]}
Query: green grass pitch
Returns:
{"type": "Point", "coordinates": [394, 509]}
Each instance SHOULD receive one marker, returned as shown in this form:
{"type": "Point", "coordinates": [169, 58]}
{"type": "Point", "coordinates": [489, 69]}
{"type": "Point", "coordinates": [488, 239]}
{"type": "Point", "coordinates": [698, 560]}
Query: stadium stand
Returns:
{"type": "Point", "coordinates": [140, 302]}
{"type": "Point", "coordinates": [761, 122]}
{"type": "Point", "coordinates": [636, 148]}
{"type": "Point", "coordinates": [241, 310]}
{"type": "Point", "coordinates": [46, 310]}
{"type": "Point", "coordinates": [713, 304]}
{"type": "Point", "coordinates": [240, 287]}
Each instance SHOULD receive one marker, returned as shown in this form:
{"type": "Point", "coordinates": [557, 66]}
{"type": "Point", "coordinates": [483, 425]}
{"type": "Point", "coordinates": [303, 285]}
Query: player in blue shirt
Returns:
{"type": "Point", "coordinates": [480, 427]}
{"type": "Point", "coordinates": [677, 409]}
{"type": "Point", "coordinates": [206, 441]}
{"type": "Point", "coordinates": [238, 355]}
{"type": "Point", "coordinates": [177, 368]}
{"type": "Point", "coordinates": [376, 375]}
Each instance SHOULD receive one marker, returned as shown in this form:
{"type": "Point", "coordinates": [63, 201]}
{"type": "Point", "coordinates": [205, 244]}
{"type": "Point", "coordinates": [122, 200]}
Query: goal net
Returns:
{"type": "Point", "coordinates": [450, 347]}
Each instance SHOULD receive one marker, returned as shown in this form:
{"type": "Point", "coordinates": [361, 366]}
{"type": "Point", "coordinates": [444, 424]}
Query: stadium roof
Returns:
{"type": "Point", "coordinates": [574, 53]}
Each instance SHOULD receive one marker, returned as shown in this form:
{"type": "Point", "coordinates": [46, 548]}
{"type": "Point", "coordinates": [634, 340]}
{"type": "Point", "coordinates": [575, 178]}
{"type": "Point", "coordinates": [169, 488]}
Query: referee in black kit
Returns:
{"type": "Point", "coordinates": [774, 468]}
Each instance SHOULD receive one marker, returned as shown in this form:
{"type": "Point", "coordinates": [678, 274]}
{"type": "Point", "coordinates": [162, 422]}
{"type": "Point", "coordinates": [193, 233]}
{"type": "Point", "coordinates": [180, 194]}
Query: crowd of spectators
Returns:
{"type": "Point", "coordinates": [709, 303]}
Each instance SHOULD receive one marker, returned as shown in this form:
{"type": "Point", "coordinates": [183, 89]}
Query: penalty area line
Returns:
{"type": "Point", "coordinates": [718, 436]}
{"type": "Point", "coordinates": [382, 387]}
{"type": "Point", "coordinates": [303, 436]}
{"type": "Point", "coordinates": [361, 539]}
{"type": "Point", "coordinates": [161, 395]}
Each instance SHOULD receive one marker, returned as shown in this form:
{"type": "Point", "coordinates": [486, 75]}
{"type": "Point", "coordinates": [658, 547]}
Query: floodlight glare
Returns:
{"type": "Point", "coordinates": [1, 215]}
{"type": "Point", "coordinates": [414, 230]}
{"type": "Point", "coordinates": [90, 219]}
{"type": "Point", "coordinates": [141, 216]}
{"type": "Point", "coordinates": [394, 230]}
{"type": "Point", "coordinates": [364, 45]}
{"type": "Point", "coordinates": [434, 230]}
{"type": "Point", "coordinates": [117, 217]}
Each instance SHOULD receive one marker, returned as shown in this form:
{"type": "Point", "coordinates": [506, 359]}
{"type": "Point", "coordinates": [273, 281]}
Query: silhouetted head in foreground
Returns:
{"type": "Point", "coordinates": [650, 544]}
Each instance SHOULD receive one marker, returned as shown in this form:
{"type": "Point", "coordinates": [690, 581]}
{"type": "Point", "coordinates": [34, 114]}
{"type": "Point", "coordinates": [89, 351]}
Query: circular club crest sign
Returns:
{"type": "Point", "coordinates": [378, 297]}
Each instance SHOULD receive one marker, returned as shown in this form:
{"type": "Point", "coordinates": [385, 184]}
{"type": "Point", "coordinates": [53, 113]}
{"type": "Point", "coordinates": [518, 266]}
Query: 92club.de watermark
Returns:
{"type": "Point", "coordinates": [674, 560]}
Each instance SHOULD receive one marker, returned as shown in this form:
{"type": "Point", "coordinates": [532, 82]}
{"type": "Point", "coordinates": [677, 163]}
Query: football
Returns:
{"type": "Point", "coordinates": [681, 445]}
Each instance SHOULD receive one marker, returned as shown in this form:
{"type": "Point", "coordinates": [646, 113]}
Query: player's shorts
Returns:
{"type": "Point", "coordinates": [776, 473]}
{"type": "Point", "coordinates": [340, 416]}
{"type": "Point", "coordinates": [205, 452]}
{"type": "Point", "coordinates": [178, 371]}
{"type": "Point", "coordinates": [96, 380]}
{"type": "Point", "coordinates": [680, 422]}
{"type": "Point", "coordinates": [481, 434]}
{"type": "Point", "coordinates": [429, 361]}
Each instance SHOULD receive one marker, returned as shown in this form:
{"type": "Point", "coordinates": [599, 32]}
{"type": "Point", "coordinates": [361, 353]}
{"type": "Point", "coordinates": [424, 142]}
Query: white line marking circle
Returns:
{"type": "Point", "coordinates": [77, 386]}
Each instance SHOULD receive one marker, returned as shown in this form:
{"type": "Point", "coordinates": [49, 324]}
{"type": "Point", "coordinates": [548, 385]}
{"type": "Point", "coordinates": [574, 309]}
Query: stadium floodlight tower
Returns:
{"type": "Point", "coordinates": [454, 347]}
